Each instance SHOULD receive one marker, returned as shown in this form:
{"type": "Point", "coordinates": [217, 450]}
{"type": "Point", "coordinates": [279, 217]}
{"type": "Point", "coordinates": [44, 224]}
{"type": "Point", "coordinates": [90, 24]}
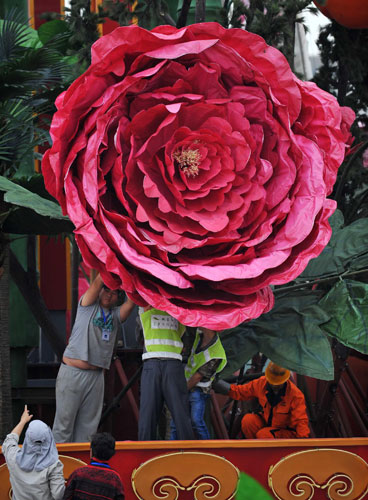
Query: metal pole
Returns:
{"type": "Point", "coordinates": [115, 402]}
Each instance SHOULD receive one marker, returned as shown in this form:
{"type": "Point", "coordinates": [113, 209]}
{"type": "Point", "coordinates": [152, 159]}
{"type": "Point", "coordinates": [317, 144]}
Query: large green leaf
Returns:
{"type": "Point", "coordinates": [347, 305]}
{"type": "Point", "coordinates": [347, 250]}
{"type": "Point", "coordinates": [290, 335]}
{"type": "Point", "coordinates": [19, 196]}
{"type": "Point", "coordinates": [48, 31]}
{"type": "Point", "coordinates": [30, 213]}
{"type": "Point", "coordinates": [26, 221]}
{"type": "Point", "coordinates": [36, 184]}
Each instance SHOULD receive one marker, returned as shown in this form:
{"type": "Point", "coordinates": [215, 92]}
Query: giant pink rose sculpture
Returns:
{"type": "Point", "coordinates": [195, 167]}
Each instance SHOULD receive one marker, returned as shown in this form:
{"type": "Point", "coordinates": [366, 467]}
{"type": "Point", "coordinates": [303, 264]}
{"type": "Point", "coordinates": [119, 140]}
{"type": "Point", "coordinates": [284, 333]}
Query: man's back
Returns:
{"type": "Point", "coordinates": [96, 481]}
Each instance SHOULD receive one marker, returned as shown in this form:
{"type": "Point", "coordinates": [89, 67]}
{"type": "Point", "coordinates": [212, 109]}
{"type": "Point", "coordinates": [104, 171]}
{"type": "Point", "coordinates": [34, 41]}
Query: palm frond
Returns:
{"type": "Point", "coordinates": [14, 32]}
{"type": "Point", "coordinates": [34, 70]}
{"type": "Point", "coordinates": [16, 134]}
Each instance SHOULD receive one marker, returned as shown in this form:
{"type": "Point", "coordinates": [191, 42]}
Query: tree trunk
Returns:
{"type": "Point", "coordinates": [182, 19]}
{"type": "Point", "coordinates": [5, 383]}
{"type": "Point", "coordinates": [200, 12]}
{"type": "Point", "coordinates": [289, 43]}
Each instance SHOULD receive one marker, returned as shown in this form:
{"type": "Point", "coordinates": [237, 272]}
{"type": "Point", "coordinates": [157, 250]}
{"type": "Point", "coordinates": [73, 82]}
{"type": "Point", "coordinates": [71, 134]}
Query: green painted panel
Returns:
{"type": "Point", "coordinates": [18, 366]}
{"type": "Point", "coordinates": [173, 7]}
{"type": "Point", "coordinates": [23, 328]}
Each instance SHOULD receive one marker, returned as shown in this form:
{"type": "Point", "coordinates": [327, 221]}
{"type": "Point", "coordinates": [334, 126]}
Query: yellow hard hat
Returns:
{"type": "Point", "coordinates": [276, 375]}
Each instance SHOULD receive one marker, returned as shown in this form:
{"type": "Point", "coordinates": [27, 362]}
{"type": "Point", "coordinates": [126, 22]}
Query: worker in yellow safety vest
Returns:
{"type": "Point", "coordinates": [207, 358]}
{"type": "Point", "coordinates": [163, 377]}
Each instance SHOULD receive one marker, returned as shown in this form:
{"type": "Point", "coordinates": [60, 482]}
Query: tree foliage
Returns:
{"type": "Point", "coordinates": [33, 70]}
{"type": "Point", "coordinates": [273, 20]}
{"type": "Point", "coordinates": [344, 73]}
{"type": "Point", "coordinates": [29, 73]}
{"type": "Point", "coordinates": [147, 13]}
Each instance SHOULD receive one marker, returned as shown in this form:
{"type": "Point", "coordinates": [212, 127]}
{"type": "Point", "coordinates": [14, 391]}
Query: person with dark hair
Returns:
{"type": "Point", "coordinates": [80, 381]}
{"type": "Point", "coordinates": [35, 470]}
{"type": "Point", "coordinates": [98, 479]}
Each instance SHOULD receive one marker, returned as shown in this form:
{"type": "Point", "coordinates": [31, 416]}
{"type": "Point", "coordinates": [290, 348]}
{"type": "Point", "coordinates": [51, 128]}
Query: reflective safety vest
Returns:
{"type": "Point", "coordinates": [195, 361]}
{"type": "Point", "coordinates": [162, 335]}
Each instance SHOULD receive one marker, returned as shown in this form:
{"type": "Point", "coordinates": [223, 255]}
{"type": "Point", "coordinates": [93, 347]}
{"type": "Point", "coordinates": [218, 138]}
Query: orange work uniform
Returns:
{"type": "Point", "coordinates": [287, 419]}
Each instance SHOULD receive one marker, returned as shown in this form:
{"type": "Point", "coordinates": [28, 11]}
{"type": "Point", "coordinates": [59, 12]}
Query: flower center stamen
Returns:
{"type": "Point", "coordinates": [189, 161]}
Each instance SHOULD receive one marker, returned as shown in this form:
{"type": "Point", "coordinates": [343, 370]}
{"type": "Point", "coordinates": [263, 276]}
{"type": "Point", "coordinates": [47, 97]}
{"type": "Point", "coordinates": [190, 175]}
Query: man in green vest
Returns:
{"type": "Point", "coordinates": [207, 358]}
{"type": "Point", "coordinates": [163, 377]}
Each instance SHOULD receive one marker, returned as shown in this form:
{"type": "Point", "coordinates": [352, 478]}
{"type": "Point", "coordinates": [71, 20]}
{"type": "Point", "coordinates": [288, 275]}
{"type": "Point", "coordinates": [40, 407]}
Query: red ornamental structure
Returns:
{"type": "Point", "coordinates": [196, 169]}
{"type": "Point", "coordinates": [348, 13]}
{"type": "Point", "coordinates": [307, 469]}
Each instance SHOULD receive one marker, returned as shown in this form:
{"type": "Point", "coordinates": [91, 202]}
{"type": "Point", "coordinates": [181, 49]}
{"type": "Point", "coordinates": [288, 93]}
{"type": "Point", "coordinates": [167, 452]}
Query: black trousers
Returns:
{"type": "Point", "coordinates": [162, 381]}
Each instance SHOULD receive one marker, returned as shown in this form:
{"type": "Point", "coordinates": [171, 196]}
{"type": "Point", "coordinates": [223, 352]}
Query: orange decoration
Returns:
{"type": "Point", "coordinates": [205, 475]}
{"type": "Point", "coordinates": [340, 474]}
{"type": "Point", "coordinates": [348, 13]}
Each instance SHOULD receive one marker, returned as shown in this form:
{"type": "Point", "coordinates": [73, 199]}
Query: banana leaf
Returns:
{"type": "Point", "coordinates": [347, 250]}
{"type": "Point", "coordinates": [290, 335]}
{"type": "Point", "coordinates": [29, 213]}
{"type": "Point", "coordinates": [347, 305]}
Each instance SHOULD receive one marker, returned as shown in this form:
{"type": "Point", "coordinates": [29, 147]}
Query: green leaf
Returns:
{"type": "Point", "coordinates": [290, 334]}
{"type": "Point", "coordinates": [347, 250]}
{"type": "Point", "coordinates": [347, 305]}
{"type": "Point", "coordinates": [70, 59]}
{"type": "Point", "coordinates": [36, 184]}
{"type": "Point", "coordinates": [20, 197]}
{"type": "Point", "coordinates": [49, 30]}
{"type": "Point", "coordinates": [250, 489]}
{"type": "Point", "coordinates": [15, 33]}
{"type": "Point", "coordinates": [26, 221]}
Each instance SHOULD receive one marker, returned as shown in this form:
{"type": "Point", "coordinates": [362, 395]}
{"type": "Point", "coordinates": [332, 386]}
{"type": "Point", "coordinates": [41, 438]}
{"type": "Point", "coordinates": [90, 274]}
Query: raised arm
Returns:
{"type": "Point", "coordinates": [24, 419]}
{"type": "Point", "coordinates": [91, 295]}
{"type": "Point", "coordinates": [126, 309]}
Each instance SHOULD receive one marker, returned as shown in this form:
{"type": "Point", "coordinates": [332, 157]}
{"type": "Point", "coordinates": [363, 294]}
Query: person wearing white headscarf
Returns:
{"type": "Point", "coordinates": [35, 470]}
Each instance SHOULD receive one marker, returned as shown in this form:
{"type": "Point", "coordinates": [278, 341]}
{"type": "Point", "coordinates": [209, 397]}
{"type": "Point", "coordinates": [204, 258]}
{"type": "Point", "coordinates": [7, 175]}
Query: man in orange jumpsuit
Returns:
{"type": "Point", "coordinates": [283, 412]}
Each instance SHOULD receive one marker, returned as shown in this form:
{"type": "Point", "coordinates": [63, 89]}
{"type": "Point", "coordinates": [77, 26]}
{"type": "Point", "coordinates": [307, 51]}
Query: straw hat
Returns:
{"type": "Point", "coordinates": [275, 374]}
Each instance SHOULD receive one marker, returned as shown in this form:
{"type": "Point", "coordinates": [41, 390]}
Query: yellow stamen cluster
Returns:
{"type": "Point", "coordinates": [189, 161]}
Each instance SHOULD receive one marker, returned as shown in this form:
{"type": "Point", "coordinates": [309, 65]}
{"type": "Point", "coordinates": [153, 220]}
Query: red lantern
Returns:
{"type": "Point", "coordinates": [348, 13]}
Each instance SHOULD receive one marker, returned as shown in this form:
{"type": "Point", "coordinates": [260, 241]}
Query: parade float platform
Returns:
{"type": "Point", "coordinates": [288, 469]}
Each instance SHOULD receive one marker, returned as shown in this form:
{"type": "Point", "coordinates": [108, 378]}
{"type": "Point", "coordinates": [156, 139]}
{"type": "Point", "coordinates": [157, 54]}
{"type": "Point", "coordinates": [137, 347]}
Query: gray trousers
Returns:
{"type": "Point", "coordinates": [79, 400]}
{"type": "Point", "coordinates": [162, 381]}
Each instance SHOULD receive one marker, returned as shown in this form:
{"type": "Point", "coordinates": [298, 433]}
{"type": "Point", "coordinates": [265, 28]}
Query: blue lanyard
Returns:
{"type": "Point", "coordinates": [105, 318]}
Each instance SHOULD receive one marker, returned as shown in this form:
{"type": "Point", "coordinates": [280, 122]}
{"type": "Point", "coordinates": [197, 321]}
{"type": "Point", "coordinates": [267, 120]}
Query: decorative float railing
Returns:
{"type": "Point", "coordinates": [304, 469]}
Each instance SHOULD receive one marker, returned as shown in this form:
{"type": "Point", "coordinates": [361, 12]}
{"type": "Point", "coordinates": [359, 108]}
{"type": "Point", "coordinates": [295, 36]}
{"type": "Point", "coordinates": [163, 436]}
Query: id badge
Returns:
{"type": "Point", "coordinates": [106, 335]}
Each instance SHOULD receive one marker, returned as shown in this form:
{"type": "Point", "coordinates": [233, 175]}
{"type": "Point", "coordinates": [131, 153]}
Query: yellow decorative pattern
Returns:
{"type": "Point", "coordinates": [342, 474]}
{"type": "Point", "coordinates": [210, 477]}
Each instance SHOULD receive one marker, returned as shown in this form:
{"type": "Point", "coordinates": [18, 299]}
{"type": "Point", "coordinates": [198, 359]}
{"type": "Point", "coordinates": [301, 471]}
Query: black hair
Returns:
{"type": "Point", "coordinates": [103, 446]}
{"type": "Point", "coordinates": [121, 294]}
